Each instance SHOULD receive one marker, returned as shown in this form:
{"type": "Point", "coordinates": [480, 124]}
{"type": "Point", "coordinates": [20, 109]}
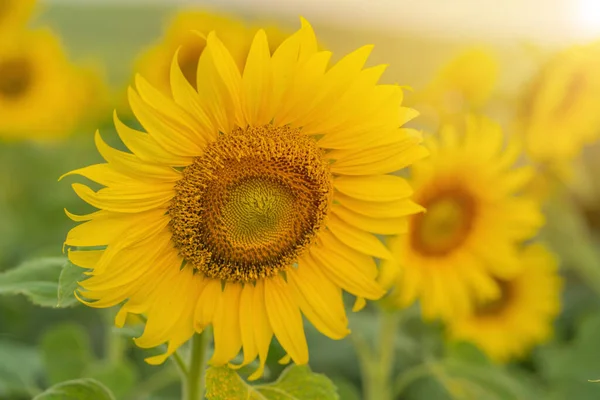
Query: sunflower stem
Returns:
{"type": "Point", "coordinates": [377, 363]}
{"type": "Point", "coordinates": [193, 384]}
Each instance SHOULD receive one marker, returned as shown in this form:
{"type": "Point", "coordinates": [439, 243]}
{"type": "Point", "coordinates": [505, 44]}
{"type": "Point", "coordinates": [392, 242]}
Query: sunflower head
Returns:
{"type": "Point", "coordinates": [463, 84]}
{"type": "Point", "coordinates": [35, 76]}
{"type": "Point", "coordinates": [253, 198]}
{"type": "Point", "coordinates": [455, 252]}
{"type": "Point", "coordinates": [508, 326]}
{"type": "Point", "coordinates": [558, 117]}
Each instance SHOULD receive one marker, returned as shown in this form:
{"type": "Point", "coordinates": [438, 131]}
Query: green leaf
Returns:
{"type": "Point", "coordinates": [297, 382]}
{"type": "Point", "coordinates": [66, 352]}
{"type": "Point", "coordinates": [120, 377]}
{"type": "Point", "coordinates": [78, 389]}
{"type": "Point", "coordinates": [20, 367]}
{"type": "Point", "coordinates": [68, 283]}
{"type": "Point", "coordinates": [35, 279]}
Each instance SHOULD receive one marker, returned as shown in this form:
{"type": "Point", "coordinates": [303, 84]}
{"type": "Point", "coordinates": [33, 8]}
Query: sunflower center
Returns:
{"type": "Point", "coordinates": [15, 77]}
{"type": "Point", "coordinates": [497, 306]}
{"type": "Point", "coordinates": [249, 206]}
{"type": "Point", "coordinates": [445, 225]}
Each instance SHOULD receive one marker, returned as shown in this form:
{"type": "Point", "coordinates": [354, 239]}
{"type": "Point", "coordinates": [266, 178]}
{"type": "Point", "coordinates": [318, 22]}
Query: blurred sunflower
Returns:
{"type": "Point", "coordinates": [558, 114]}
{"type": "Point", "coordinates": [188, 30]}
{"type": "Point", "coordinates": [464, 84]}
{"type": "Point", "coordinates": [509, 326]}
{"type": "Point", "coordinates": [226, 212]}
{"type": "Point", "coordinates": [455, 251]}
{"type": "Point", "coordinates": [37, 79]}
{"type": "Point", "coordinates": [14, 14]}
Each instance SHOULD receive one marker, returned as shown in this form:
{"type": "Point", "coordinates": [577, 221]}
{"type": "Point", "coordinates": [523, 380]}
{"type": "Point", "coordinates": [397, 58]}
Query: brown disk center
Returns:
{"type": "Point", "coordinates": [248, 207]}
{"type": "Point", "coordinates": [445, 225]}
{"type": "Point", "coordinates": [15, 77]}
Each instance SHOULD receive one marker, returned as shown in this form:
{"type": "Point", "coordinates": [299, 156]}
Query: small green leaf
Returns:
{"type": "Point", "coordinates": [78, 389]}
{"type": "Point", "coordinates": [68, 283]}
{"type": "Point", "coordinates": [66, 352]}
{"type": "Point", "coordinates": [118, 377]}
{"type": "Point", "coordinates": [295, 383]}
{"type": "Point", "coordinates": [20, 368]}
{"type": "Point", "coordinates": [35, 279]}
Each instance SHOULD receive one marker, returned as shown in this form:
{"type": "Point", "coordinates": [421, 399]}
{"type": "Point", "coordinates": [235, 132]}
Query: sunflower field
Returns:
{"type": "Point", "coordinates": [299, 201]}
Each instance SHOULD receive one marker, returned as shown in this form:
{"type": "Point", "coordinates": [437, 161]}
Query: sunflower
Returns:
{"type": "Point", "coordinates": [509, 326]}
{"type": "Point", "coordinates": [558, 114]}
{"type": "Point", "coordinates": [14, 14]}
{"type": "Point", "coordinates": [249, 202]}
{"type": "Point", "coordinates": [463, 84]}
{"type": "Point", "coordinates": [37, 79]}
{"type": "Point", "coordinates": [188, 30]}
{"type": "Point", "coordinates": [454, 252]}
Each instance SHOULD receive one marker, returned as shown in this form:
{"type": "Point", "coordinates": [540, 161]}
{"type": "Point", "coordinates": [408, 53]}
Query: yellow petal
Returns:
{"type": "Point", "coordinates": [285, 318]}
{"type": "Point", "coordinates": [207, 304]}
{"type": "Point", "coordinates": [86, 258]}
{"type": "Point", "coordinates": [359, 304]}
{"type": "Point", "coordinates": [377, 160]}
{"type": "Point", "coordinates": [228, 70]}
{"type": "Point", "coordinates": [162, 128]}
{"type": "Point", "coordinates": [380, 209]}
{"type": "Point", "coordinates": [373, 188]}
{"type": "Point", "coordinates": [126, 200]}
{"type": "Point", "coordinates": [320, 300]}
{"type": "Point", "coordinates": [146, 147]}
{"type": "Point", "coordinates": [187, 97]}
{"type": "Point", "coordinates": [226, 325]}
{"type": "Point", "coordinates": [382, 226]}
{"type": "Point", "coordinates": [263, 332]}
{"type": "Point", "coordinates": [357, 239]}
{"type": "Point", "coordinates": [246, 322]}
{"type": "Point", "coordinates": [355, 274]}
{"type": "Point", "coordinates": [257, 82]}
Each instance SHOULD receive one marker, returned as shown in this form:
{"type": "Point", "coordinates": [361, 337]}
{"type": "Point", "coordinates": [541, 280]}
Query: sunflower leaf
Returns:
{"type": "Point", "coordinates": [68, 281]}
{"type": "Point", "coordinates": [78, 389]}
{"type": "Point", "coordinates": [36, 279]}
{"type": "Point", "coordinates": [297, 382]}
{"type": "Point", "coordinates": [66, 352]}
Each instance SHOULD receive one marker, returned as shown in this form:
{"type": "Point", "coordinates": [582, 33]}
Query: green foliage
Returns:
{"type": "Point", "coordinates": [568, 367]}
{"type": "Point", "coordinates": [35, 279]}
{"type": "Point", "coordinates": [77, 389]}
{"type": "Point", "coordinates": [119, 377]}
{"type": "Point", "coordinates": [295, 383]}
{"type": "Point", "coordinates": [20, 368]}
{"type": "Point", "coordinates": [66, 352]}
{"type": "Point", "coordinates": [68, 283]}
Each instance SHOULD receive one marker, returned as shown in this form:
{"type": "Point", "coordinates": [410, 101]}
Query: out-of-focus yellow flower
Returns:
{"type": "Point", "coordinates": [474, 216]}
{"type": "Point", "coordinates": [559, 109]}
{"type": "Point", "coordinates": [509, 326]}
{"type": "Point", "coordinates": [42, 94]}
{"type": "Point", "coordinates": [14, 14]}
{"type": "Point", "coordinates": [462, 85]}
{"type": "Point", "coordinates": [251, 200]}
{"type": "Point", "coordinates": [187, 32]}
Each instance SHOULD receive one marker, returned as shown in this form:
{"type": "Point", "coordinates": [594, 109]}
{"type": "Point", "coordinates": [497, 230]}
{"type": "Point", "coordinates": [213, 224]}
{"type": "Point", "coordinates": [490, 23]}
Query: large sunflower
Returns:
{"type": "Point", "coordinates": [522, 316]}
{"type": "Point", "coordinates": [466, 239]}
{"type": "Point", "coordinates": [185, 33]}
{"type": "Point", "coordinates": [42, 95]}
{"type": "Point", "coordinates": [558, 114]}
{"type": "Point", "coordinates": [250, 201]}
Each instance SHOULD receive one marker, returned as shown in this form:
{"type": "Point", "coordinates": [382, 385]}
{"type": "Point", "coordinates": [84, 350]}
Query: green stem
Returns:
{"type": "Point", "coordinates": [409, 376]}
{"type": "Point", "coordinates": [377, 364]}
{"type": "Point", "coordinates": [193, 385]}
